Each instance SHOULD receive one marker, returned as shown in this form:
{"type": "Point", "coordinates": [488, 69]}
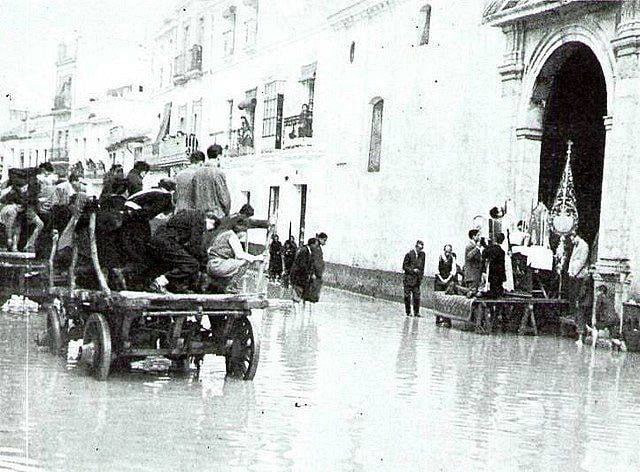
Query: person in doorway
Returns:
{"type": "Point", "coordinates": [413, 268]}
{"type": "Point", "coordinates": [275, 258]}
{"type": "Point", "coordinates": [289, 254]}
{"type": "Point", "coordinates": [494, 257]}
{"type": "Point", "coordinates": [473, 262]}
{"type": "Point", "coordinates": [136, 176]}
{"type": "Point", "coordinates": [210, 192]}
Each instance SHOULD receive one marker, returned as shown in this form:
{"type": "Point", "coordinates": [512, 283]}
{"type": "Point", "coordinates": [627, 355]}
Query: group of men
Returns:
{"type": "Point", "coordinates": [32, 201]}
{"type": "Point", "coordinates": [484, 258]}
{"type": "Point", "coordinates": [202, 236]}
{"type": "Point", "coordinates": [478, 257]}
{"type": "Point", "coordinates": [179, 236]}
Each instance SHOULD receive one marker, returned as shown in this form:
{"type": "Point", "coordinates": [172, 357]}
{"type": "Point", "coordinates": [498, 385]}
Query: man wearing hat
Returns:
{"type": "Point", "coordinates": [413, 267]}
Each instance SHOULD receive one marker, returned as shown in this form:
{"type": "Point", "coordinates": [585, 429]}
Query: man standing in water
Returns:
{"type": "Point", "coordinates": [413, 267]}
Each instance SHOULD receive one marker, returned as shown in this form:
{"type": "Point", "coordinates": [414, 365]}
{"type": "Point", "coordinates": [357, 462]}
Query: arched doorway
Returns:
{"type": "Point", "coordinates": [571, 89]}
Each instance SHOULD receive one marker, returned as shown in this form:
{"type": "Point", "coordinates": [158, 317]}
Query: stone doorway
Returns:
{"type": "Point", "coordinates": [571, 93]}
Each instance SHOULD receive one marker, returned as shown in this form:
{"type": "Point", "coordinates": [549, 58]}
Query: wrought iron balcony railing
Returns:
{"type": "Point", "coordinates": [240, 142]}
{"type": "Point", "coordinates": [187, 65]}
{"type": "Point", "coordinates": [174, 150]}
{"type": "Point", "coordinates": [61, 102]}
{"type": "Point", "coordinates": [298, 129]}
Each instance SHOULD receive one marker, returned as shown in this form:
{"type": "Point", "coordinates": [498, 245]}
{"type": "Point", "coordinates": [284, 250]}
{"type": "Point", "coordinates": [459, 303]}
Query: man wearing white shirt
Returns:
{"type": "Point", "coordinates": [579, 290]}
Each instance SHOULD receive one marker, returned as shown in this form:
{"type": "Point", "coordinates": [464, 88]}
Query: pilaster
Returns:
{"type": "Point", "coordinates": [511, 72]}
{"type": "Point", "coordinates": [527, 168]}
{"type": "Point", "coordinates": [620, 212]}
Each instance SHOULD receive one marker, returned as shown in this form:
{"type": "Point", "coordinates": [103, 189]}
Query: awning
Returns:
{"type": "Point", "coordinates": [308, 72]}
{"type": "Point", "coordinates": [166, 121]}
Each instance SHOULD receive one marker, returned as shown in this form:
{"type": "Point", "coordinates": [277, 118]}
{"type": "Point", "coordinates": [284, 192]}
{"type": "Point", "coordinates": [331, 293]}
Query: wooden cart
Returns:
{"type": "Point", "coordinates": [117, 328]}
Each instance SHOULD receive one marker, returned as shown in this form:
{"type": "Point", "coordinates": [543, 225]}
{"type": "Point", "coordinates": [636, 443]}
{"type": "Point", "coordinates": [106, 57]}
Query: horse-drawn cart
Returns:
{"type": "Point", "coordinates": [117, 328]}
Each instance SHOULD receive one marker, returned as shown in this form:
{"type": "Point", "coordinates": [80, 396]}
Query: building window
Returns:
{"type": "Point", "coordinates": [270, 110]}
{"type": "Point", "coordinates": [200, 31]}
{"type": "Point", "coordinates": [426, 12]}
{"type": "Point", "coordinates": [197, 117]}
{"type": "Point", "coordinates": [250, 27]}
{"type": "Point", "coordinates": [376, 135]}
{"type": "Point", "coordinates": [352, 52]}
{"type": "Point", "coordinates": [274, 200]}
{"type": "Point", "coordinates": [230, 104]}
{"type": "Point", "coordinates": [229, 33]}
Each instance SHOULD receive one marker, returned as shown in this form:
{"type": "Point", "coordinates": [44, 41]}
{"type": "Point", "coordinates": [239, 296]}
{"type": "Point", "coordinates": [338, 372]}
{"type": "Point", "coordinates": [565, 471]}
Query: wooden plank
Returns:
{"type": "Point", "coordinates": [139, 301]}
{"type": "Point", "coordinates": [17, 255]}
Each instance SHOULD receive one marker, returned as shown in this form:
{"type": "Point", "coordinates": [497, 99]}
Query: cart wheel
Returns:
{"type": "Point", "coordinates": [244, 352]}
{"type": "Point", "coordinates": [96, 346]}
{"type": "Point", "coordinates": [55, 339]}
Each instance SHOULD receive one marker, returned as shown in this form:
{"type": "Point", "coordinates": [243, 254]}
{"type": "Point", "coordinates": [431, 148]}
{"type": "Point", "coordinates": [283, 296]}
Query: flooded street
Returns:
{"type": "Point", "coordinates": [355, 385]}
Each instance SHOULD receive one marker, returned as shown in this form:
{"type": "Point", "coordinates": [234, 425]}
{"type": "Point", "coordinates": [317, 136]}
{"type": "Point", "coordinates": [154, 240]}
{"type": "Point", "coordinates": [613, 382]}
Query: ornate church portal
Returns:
{"type": "Point", "coordinates": [574, 108]}
{"type": "Point", "coordinates": [570, 71]}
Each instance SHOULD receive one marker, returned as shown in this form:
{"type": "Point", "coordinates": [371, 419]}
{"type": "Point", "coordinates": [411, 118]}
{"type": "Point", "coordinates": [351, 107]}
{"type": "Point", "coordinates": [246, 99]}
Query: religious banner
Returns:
{"type": "Point", "coordinates": [564, 212]}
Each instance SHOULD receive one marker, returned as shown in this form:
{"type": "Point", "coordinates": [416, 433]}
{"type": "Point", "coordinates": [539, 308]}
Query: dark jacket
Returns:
{"type": "Point", "coordinates": [493, 255]}
{"type": "Point", "coordinates": [413, 261]}
{"type": "Point", "coordinates": [302, 267]}
{"type": "Point", "coordinates": [472, 264]}
{"type": "Point", "coordinates": [150, 203]}
{"type": "Point", "coordinates": [185, 228]}
{"type": "Point", "coordinates": [134, 182]}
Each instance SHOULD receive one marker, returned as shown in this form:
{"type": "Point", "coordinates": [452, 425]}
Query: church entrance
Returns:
{"type": "Point", "coordinates": [572, 91]}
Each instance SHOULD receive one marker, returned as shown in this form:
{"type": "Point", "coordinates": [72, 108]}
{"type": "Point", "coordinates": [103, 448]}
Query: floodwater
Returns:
{"type": "Point", "coordinates": [355, 385]}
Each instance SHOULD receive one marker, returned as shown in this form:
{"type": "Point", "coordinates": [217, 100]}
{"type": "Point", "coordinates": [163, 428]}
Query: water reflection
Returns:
{"type": "Point", "coordinates": [355, 385]}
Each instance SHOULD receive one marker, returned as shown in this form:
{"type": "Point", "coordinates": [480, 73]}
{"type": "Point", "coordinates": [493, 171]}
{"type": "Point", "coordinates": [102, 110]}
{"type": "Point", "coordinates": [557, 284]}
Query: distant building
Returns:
{"type": "Point", "coordinates": [78, 130]}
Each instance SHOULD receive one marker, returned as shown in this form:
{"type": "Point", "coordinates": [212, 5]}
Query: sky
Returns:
{"type": "Point", "coordinates": [30, 31]}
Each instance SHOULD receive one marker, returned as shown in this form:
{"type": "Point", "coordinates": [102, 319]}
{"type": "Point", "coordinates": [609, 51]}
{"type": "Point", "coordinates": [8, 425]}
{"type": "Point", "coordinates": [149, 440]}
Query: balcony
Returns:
{"type": "Point", "coordinates": [59, 156]}
{"type": "Point", "coordinates": [174, 150]}
{"type": "Point", "coordinates": [240, 142]}
{"type": "Point", "coordinates": [298, 129]}
{"type": "Point", "coordinates": [61, 102]}
{"type": "Point", "coordinates": [188, 65]}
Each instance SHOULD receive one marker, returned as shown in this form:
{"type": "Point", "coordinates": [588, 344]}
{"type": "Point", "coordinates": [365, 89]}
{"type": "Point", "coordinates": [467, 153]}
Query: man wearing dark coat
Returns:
{"type": "Point", "coordinates": [493, 256]}
{"type": "Point", "coordinates": [473, 261]}
{"type": "Point", "coordinates": [312, 293]}
{"type": "Point", "coordinates": [275, 258]}
{"type": "Point", "coordinates": [413, 268]}
{"type": "Point", "coordinates": [135, 177]}
{"type": "Point", "coordinates": [178, 249]}
{"type": "Point", "coordinates": [302, 270]}
{"type": "Point", "coordinates": [290, 249]}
